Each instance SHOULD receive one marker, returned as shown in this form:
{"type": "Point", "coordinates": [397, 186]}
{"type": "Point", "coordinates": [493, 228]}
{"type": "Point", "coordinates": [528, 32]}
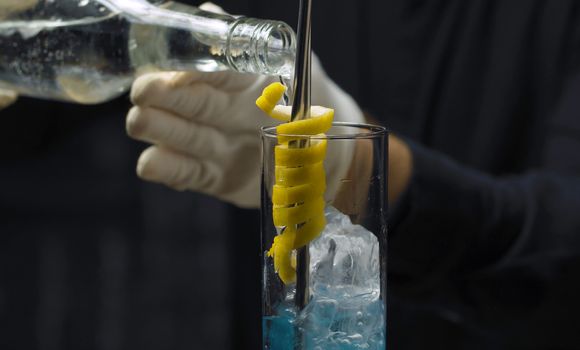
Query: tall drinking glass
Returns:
{"type": "Point", "coordinates": [337, 298]}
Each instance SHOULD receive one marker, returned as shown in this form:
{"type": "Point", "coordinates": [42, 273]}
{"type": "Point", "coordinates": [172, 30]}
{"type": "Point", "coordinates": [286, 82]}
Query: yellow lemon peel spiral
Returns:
{"type": "Point", "coordinates": [300, 181]}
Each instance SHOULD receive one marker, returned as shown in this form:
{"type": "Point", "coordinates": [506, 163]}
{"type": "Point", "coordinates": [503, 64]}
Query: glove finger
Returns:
{"type": "Point", "coordinates": [178, 171]}
{"type": "Point", "coordinates": [7, 98]}
{"type": "Point", "coordinates": [211, 7]}
{"type": "Point", "coordinates": [159, 127]}
{"type": "Point", "coordinates": [198, 102]}
{"type": "Point", "coordinates": [224, 80]}
{"type": "Point", "coordinates": [10, 7]}
{"type": "Point", "coordinates": [201, 104]}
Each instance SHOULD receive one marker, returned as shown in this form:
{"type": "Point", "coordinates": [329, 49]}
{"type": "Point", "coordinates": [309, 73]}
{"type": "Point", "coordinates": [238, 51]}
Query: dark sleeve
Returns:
{"type": "Point", "coordinates": [453, 220]}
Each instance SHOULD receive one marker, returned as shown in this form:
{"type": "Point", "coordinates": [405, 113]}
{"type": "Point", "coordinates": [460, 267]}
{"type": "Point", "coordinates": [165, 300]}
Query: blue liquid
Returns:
{"type": "Point", "coordinates": [327, 324]}
{"type": "Point", "coordinates": [346, 310]}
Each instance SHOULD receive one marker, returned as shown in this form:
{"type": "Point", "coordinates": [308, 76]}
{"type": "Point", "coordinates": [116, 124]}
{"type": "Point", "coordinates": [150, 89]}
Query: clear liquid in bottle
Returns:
{"type": "Point", "coordinates": [95, 58]}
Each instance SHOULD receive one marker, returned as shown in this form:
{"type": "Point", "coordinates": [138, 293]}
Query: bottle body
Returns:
{"type": "Point", "coordinates": [94, 49]}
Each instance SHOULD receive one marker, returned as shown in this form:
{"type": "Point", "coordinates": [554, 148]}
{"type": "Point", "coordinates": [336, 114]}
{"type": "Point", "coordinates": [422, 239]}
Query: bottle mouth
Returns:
{"type": "Point", "coordinates": [266, 47]}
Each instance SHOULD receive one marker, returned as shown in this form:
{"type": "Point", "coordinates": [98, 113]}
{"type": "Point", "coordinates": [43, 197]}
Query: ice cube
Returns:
{"type": "Point", "coordinates": [346, 257]}
{"type": "Point", "coordinates": [345, 311]}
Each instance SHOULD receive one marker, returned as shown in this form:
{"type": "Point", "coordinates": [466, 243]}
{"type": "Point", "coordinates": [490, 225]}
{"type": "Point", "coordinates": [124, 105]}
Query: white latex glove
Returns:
{"type": "Point", "coordinates": [204, 128]}
{"type": "Point", "coordinates": [9, 7]}
{"type": "Point", "coordinates": [7, 98]}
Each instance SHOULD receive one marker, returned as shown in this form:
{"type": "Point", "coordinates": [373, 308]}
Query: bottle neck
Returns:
{"type": "Point", "coordinates": [258, 46]}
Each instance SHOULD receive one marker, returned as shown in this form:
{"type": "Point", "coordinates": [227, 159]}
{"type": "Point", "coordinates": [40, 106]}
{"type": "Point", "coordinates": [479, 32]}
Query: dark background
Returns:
{"type": "Point", "coordinates": [91, 257]}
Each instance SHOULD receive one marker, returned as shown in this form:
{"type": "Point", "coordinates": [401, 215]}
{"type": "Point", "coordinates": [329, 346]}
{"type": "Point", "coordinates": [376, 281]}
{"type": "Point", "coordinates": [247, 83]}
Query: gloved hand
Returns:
{"type": "Point", "coordinates": [7, 98]}
{"type": "Point", "coordinates": [9, 7]}
{"type": "Point", "coordinates": [204, 128]}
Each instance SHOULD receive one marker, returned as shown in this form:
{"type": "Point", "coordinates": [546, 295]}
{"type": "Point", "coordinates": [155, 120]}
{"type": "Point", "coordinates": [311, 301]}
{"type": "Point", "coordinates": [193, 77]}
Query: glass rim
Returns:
{"type": "Point", "coordinates": [370, 131]}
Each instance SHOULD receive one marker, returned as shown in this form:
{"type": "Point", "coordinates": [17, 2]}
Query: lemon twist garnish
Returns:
{"type": "Point", "coordinates": [283, 196]}
{"type": "Point", "coordinates": [286, 156]}
{"type": "Point", "coordinates": [270, 97]}
{"type": "Point", "coordinates": [298, 195]}
{"type": "Point", "coordinates": [289, 177]}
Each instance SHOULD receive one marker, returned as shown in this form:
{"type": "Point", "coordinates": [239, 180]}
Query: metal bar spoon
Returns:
{"type": "Point", "coordinates": [301, 110]}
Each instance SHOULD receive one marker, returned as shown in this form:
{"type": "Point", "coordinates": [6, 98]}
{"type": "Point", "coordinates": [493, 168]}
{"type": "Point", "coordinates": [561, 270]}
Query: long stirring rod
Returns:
{"type": "Point", "coordinates": [301, 101]}
{"type": "Point", "coordinates": [301, 110]}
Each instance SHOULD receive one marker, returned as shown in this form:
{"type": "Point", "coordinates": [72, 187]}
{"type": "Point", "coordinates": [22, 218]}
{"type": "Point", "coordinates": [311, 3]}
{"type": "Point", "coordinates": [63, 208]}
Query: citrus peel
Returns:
{"type": "Point", "coordinates": [270, 97]}
{"type": "Point", "coordinates": [300, 180]}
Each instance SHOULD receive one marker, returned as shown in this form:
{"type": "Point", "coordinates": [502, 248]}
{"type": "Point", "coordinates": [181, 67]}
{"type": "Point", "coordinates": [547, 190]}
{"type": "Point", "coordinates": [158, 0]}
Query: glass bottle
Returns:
{"type": "Point", "coordinates": [337, 299]}
{"type": "Point", "coordinates": [89, 51]}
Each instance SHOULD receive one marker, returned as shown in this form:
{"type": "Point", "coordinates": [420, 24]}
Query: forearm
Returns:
{"type": "Point", "coordinates": [453, 220]}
